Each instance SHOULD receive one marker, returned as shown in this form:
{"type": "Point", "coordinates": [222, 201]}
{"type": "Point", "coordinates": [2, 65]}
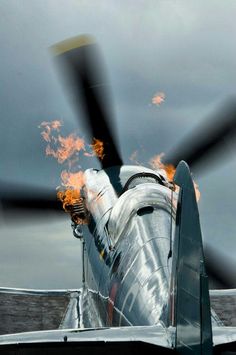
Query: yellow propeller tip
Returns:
{"type": "Point", "coordinates": [72, 43]}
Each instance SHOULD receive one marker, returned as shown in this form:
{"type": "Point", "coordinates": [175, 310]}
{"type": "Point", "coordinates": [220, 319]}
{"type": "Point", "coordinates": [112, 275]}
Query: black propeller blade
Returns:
{"type": "Point", "coordinates": [220, 270]}
{"type": "Point", "coordinates": [208, 141]}
{"type": "Point", "coordinates": [85, 74]}
{"type": "Point", "coordinates": [88, 85]}
{"type": "Point", "coordinates": [16, 196]}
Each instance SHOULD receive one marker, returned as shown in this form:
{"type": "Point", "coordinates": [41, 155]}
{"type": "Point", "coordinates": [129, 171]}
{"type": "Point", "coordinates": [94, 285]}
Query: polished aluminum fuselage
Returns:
{"type": "Point", "coordinates": [128, 243]}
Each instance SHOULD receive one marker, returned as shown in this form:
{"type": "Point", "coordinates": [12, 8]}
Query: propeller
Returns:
{"type": "Point", "coordinates": [202, 146]}
{"type": "Point", "coordinates": [22, 197]}
{"type": "Point", "coordinates": [199, 149]}
{"type": "Point", "coordinates": [220, 270]}
{"type": "Point", "coordinates": [84, 71]}
{"type": "Point", "coordinates": [85, 74]}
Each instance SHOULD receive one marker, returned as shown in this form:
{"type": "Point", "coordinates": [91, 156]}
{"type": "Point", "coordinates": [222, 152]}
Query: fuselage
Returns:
{"type": "Point", "coordinates": [128, 244]}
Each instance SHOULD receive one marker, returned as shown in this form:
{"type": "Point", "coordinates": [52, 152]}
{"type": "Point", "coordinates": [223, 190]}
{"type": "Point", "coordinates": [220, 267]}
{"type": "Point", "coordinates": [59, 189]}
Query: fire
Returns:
{"type": "Point", "coordinates": [48, 128]}
{"type": "Point", "coordinates": [68, 198]}
{"type": "Point", "coordinates": [158, 98]}
{"type": "Point", "coordinates": [68, 146]}
{"type": "Point", "coordinates": [61, 148]}
{"type": "Point", "coordinates": [72, 180]}
{"type": "Point", "coordinates": [66, 151]}
{"type": "Point", "coordinates": [156, 163]}
{"type": "Point", "coordinates": [97, 149]}
{"type": "Point", "coordinates": [70, 194]}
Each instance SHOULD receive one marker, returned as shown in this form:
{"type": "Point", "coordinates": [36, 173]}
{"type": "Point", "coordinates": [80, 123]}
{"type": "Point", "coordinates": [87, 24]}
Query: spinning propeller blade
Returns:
{"type": "Point", "coordinates": [16, 196]}
{"type": "Point", "coordinates": [85, 75]}
{"type": "Point", "coordinates": [87, 82]}
{"type": "Point", "coordinates": [220, 269]}
{"type": "Point", "coordinates": [200, 149]}
{"type": "Point", "coordinates": [208, 140]}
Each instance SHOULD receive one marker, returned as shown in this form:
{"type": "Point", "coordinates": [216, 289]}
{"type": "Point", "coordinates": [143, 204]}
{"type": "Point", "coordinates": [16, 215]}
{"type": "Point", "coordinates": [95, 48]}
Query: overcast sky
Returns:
{"type": "Point", "coordinates": [183, 48]}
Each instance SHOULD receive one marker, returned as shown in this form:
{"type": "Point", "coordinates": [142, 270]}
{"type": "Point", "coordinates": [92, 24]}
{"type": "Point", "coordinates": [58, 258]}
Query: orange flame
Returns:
{"type": "Point", "coordinates": [156, 163]}
{"type": "Point", "coordinates": [63, 147]}
{"type": "Point", "coordinates": [98, 149]}
{"type": "Point", "coordinates": [48, 127]}
{"type": "Point", "coordinates": [68, 146]}
{"type": "Point", "coordinates": [158, 98]}
{"type": "Point", "coordinates": [68, 198]}
{"type": "Point", "coordinates": [65, 150]}
{"type": "Point", "coordinates": [72, 180]}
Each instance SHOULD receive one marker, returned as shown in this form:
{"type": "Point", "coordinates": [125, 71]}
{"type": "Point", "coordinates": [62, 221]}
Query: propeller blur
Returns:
{"type": "Point", "coordinates": [143, 258]}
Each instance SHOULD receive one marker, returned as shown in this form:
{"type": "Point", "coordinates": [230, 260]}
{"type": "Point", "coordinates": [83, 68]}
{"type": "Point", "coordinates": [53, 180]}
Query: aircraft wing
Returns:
{"type": "Point", "coordinates": [125, 340]}
{"type": "Point", "coordinates": [41, 321]}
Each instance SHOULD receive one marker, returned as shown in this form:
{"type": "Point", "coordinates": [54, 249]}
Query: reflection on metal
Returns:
{"type": "Point", "coordinates": [152, 335]}
{"type": "Point", "coordinates": [83, 309]}
{"type": "Point", "coordinates": [77, 230]}
{"type": "Point", "coordinates": [91, 306]}
{"type": "Point", "coordinates": [78, 211]}
{"type": "Point", "coordinates": [144, 195]}
{"type": "Point", "coordinates": [155, 335]}
{"type": "Point", "coordinates": [130, 275]}
{"type": "Point", "coordinates": [131, 245]}
{"type": "Point", "coordinates": [71, 318]}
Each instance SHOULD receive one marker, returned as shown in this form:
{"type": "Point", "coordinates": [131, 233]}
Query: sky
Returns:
{"type": "Point", "coordinates": [183, 48]}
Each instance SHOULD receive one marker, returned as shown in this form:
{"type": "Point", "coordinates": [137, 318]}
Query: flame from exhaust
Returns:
{"type": "Point", "coordinates": [66, 150]}
{"type": "Point", "coordinates": [68, 146]}
{"type": "Point", "coordinates": [97, 148]}
{"type": "Point", "coordinates": [70, 194]}
{"type": "Point", "coordinates": [156, 163]}
{"type": "Point", "coordinates": [158, 98]}
{"type": "Point", "coordinates": [48, 128]}
{"type": "Point", "coordinates": [72, 180]}
{"type": "Point", "coordinates": [68, 198]}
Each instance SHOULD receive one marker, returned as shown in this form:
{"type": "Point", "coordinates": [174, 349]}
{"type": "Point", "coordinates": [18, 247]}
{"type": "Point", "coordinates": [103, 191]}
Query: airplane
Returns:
{"type": "Point", "coordinates": [145, 284]}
